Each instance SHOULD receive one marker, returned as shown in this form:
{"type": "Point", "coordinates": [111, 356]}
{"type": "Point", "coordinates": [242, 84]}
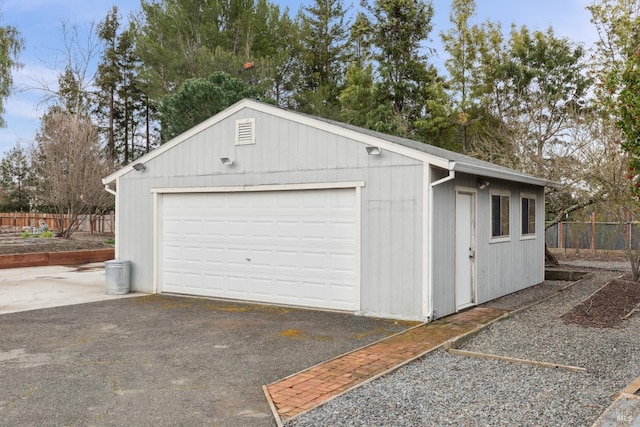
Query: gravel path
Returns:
{"type": "Point", "coordinates": [622, 266]}
{"type": "Point", "coordinates": [443, 389]}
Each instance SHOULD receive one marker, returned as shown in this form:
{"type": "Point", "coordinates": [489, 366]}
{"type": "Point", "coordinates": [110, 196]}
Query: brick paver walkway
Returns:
{"type": "Point", "coordinates": [310, 388]}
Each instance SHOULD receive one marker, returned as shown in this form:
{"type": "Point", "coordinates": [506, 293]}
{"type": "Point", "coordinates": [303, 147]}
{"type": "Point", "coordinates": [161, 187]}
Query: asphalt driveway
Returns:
{"type": "Point", "coordinates": [162, 360]}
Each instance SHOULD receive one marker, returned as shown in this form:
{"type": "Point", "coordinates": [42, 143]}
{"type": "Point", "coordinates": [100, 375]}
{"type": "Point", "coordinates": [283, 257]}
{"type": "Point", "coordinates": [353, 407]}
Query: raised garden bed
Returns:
{"type": "Point", "coordinates": [38, 259]}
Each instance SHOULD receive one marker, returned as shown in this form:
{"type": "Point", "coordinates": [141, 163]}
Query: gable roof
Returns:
{"type": "Point", "coordinates": [437, 156]}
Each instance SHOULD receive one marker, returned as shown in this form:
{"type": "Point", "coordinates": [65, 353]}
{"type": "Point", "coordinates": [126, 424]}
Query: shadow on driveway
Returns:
{"type": "Point", "coordinates": [163, 360]}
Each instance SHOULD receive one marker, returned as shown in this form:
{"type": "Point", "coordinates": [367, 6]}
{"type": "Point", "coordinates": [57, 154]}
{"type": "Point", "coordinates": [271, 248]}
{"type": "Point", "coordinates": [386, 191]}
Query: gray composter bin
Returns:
{"type": "Point", "coordinates": [118, 275]}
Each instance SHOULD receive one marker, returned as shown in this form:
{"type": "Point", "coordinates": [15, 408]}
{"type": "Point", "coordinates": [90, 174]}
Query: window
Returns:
{"type": "Point", "coordinates": [499, 215]}
{"type": "Point", "coordinates": [528, 209]}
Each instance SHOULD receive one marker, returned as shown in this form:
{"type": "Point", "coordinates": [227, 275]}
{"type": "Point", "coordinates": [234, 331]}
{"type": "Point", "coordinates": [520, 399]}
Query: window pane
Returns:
{"type": "Point", "coordinates": [528, 216]}
{"type": "Point", "coordinates": [499, 215]}
{"type": "Point", "coordinates": [505, 215]}
{"type": "Point", "coordinates": [495, 216]}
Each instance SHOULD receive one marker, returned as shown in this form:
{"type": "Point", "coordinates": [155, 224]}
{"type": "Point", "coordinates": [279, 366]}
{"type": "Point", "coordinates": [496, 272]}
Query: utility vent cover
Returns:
{"type": "Point", "coordinates": [245, 131]}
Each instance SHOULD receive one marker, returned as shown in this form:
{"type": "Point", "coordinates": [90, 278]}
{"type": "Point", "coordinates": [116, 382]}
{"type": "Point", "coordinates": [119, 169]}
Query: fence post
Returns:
{"type": "Point", "coordinates": [560, 235]}
{"type": "Point", "coordinates": [593, 232]}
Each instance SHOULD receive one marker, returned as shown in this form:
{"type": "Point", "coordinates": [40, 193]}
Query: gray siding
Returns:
{"type": "Point", "coordinates": [501, 267]}
{"type": "Point", "coordinates": [288, 153]}
{"type": "Point", "coordinates": [442, 246]}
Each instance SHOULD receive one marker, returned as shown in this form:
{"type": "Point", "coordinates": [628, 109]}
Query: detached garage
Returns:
{"type": "Point", "coordinates": [267, 205]}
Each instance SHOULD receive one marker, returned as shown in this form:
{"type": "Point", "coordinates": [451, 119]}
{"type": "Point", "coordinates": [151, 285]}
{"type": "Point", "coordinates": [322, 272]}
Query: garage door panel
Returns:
{"type": "Point", "coordinates": [342, 263]}
{"type": "Point", "coordinates": [291, 247]}
{"type": "Point", "coordinates": [215, 282]}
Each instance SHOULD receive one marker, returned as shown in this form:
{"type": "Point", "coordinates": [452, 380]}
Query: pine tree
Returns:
{"type": "Point", "coordinates": [462, 47]}
{"type": "Point", "coordinates": [322, 64]}
{"type": "Point", "coordinates": [122, 98]}
{"type": "Point", "coordinates": [408, 84]}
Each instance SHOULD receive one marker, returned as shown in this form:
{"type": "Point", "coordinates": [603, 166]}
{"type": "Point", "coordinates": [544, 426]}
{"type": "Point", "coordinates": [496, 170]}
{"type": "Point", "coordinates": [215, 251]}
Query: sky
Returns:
{"type": "Point", "coordinates": [40, 24]}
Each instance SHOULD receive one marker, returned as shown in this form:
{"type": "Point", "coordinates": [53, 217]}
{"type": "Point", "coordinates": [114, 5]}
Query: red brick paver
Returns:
{"type": "Point", "coordinates": [314, 386]}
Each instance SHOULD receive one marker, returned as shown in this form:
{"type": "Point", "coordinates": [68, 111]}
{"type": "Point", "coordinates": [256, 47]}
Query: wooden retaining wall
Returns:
{"type": "Point", "coordinates": [38, 259]}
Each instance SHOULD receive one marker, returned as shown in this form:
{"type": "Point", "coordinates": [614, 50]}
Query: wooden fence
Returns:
{"type": "Point", "coordinates": [17, 221]}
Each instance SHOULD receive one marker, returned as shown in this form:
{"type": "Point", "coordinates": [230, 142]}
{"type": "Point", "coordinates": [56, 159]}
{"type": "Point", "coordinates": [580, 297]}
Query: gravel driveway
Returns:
{"type": "Point", "coordinates": [443, 389]}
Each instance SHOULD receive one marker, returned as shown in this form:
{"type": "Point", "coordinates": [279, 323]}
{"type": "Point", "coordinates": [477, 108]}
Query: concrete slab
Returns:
{"type": "Point", "coordinates": [32, 288]}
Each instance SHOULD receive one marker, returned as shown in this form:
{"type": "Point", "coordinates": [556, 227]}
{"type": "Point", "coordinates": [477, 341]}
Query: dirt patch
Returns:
{"type": "Point", "coordinates": [14, 244]}
{"type": "Point", "coordinates": [607, 307]}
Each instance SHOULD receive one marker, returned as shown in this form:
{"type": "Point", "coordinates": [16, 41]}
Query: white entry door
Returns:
{"type": "Point", "coordinates": [286, 247]}
{"type": "Point", "coordinates": [465, 250]}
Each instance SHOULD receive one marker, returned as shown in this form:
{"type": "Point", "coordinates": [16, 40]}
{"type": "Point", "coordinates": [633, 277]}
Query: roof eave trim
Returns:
{"type": "Point", "coordinates": [349, 133]}
{"type": "Point", "coordinates": [179, 139]}
{"type": "Point", "coordinates": [500, 174]}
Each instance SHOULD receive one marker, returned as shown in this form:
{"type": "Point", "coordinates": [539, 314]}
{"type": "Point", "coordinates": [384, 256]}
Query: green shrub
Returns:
{"type": "Point", "coordinates": [110, 241]}
{"type": "Point", "coordinates": [25, 234]}
{"type": "Point", "coordinates": [46, 234]}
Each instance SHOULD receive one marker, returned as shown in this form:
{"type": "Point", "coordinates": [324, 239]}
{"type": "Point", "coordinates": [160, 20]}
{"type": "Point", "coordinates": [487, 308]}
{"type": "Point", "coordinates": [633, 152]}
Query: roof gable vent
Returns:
{"type": "Point", "coordinates": [245, 131]}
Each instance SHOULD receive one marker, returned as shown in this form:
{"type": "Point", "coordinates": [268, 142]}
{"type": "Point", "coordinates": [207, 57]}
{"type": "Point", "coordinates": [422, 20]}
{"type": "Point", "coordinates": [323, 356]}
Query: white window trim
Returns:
{"type": "Point", "coordinates": [534, 235]}
{"type": "Point", "coordinates": [499, 239]}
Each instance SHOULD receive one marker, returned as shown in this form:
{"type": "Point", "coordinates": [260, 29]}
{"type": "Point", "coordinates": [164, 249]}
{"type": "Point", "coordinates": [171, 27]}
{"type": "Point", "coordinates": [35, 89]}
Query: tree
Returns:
{"type": "Point", "coordinates": [108, 72]}
{"type": "Point", "coordinates": [11, 43]}
{"type": "Point", "coordinates": [282, 61]}
{"type": "Point", "coordinates": [121, 102]}
{"type": "Point", "coordinates": [625, 107]}
{"type": "Point", "coordinates": [16, 181]}
{"type": "Point", "coordinates": [274, 53]}
{"type": "Point", "coordinates": [184, 39]}
{"type": "Point", "coordinates": [409, 86]}
{"type": "Point", "coordinates": [178, 40]}
{"type": "Point", "coordinates": [321, 66]}
{"type": "Point", "coordinates": [72, 167]}
{"type": "Point", "coordinates": [199, 99]}
{"type": "Point", "coordinates": [361, 102]}
{"type": "Point", "coordinates": [531, 89]}
{"type": "Point", "coordinates": [617, 68]}
{"type": "Point", "coordinates": [73, 93]}
{"type": "Point", "coordinates": [460, 43]}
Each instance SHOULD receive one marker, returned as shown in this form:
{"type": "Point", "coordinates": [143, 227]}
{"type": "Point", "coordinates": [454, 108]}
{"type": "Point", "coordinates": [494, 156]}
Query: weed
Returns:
{"type": "Point", "coordinates": [291, 333]}
{"type": "Point", "coordinates": [25, 234]}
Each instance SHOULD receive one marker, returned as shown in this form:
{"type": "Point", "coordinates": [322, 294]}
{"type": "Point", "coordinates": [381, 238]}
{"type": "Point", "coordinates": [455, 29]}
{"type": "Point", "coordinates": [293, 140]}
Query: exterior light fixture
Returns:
{"type": "Point", "coordinates": [139, 167]}
{"type": "Point", "coordinates": [373, 151]}
{"type": "Point", "coordinates": [227, 161]}
{"type": "Point", "coordinates": [482, 184]}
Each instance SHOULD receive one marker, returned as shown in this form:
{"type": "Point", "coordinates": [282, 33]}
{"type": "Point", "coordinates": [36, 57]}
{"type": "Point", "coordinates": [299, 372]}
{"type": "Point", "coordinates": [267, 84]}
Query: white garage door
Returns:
{"type": "Point", "coordinates": [287, 247]}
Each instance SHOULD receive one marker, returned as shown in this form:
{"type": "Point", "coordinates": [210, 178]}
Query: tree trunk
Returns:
{"type": "Point", "coordinates": [549, 258]}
